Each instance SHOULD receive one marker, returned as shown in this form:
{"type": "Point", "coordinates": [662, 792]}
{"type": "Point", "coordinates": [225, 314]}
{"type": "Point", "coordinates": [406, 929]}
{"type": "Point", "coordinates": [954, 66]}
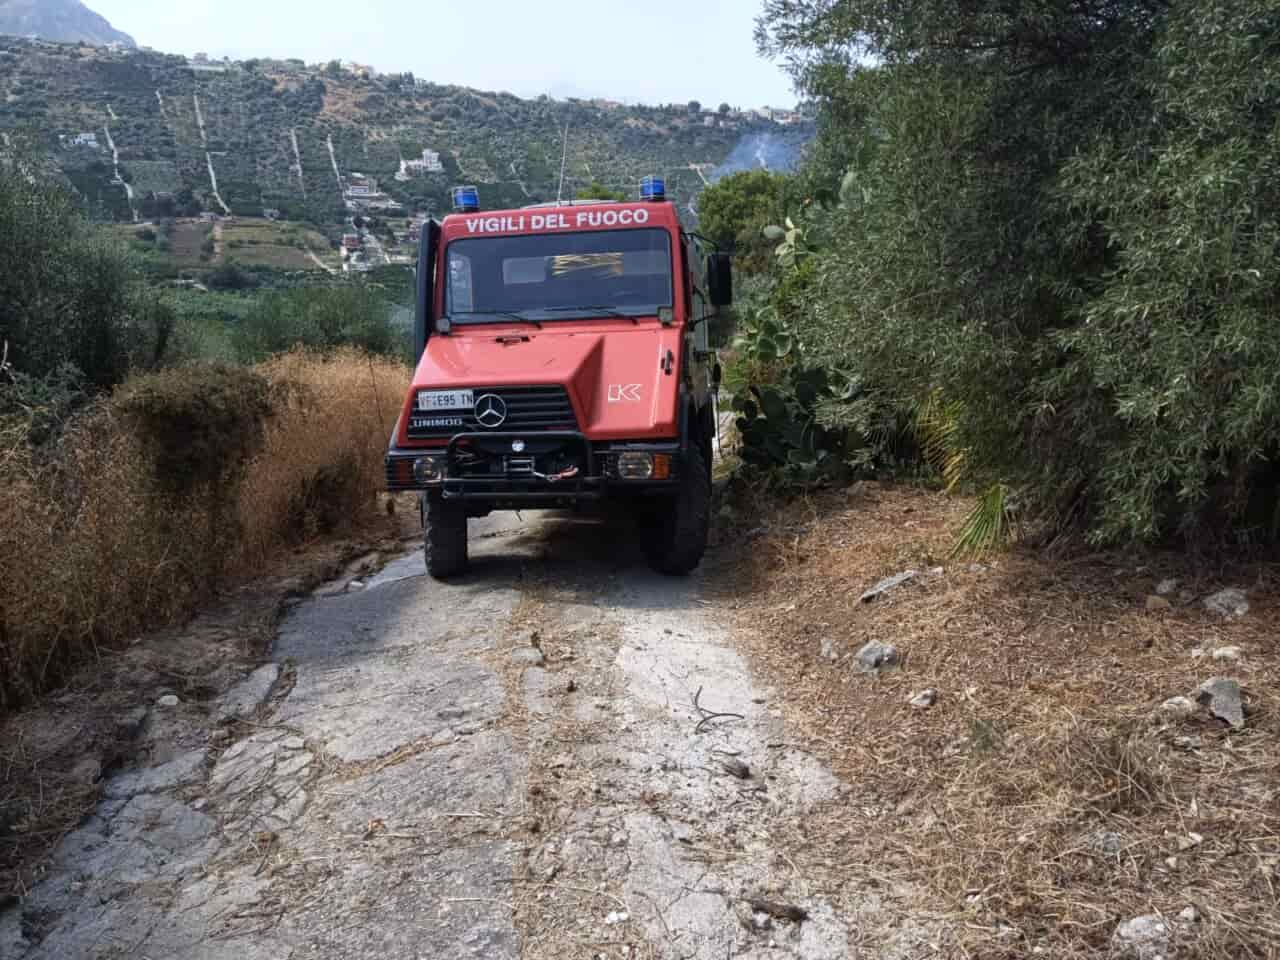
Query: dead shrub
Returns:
{"type": "Point", "coordinates": [200, 424]}
{"type": "Point", "coordinates": [199, 427]}
{"type": "Point", "coordinates": [85, 550]}
{"type": "Point", "coordinates": [321, 463]}
{"type": "Point", "coordinates": [145, 504]}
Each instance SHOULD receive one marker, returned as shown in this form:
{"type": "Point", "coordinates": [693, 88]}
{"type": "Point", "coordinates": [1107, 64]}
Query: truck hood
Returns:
{"type": "Point", "coordinates": [619, 379]}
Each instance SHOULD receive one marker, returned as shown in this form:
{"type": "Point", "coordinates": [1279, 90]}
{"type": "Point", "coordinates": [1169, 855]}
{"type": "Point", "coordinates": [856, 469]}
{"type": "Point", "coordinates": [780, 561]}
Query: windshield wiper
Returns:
{"type": "Point", "coordinates": [519, 318]}
{"type": "Point", "coordinates": [594, 308]}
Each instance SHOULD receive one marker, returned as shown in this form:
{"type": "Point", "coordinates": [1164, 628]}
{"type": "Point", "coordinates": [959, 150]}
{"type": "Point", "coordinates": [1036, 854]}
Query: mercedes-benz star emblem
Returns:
{"type": "Point", "coordinates": [491, 411]}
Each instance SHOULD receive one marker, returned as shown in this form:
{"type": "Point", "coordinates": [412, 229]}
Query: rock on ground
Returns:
{"type": "Point", "coordinates": [1223, 698]}
{"type": "Point", "coordinates": [184, 768]}
{"type": "Point", "coordinates": [1230, 602]}
{"type": "Point", "coordinates": [1142, 938]}
{"type": "Point", "coordinates": [244, 698]}
{"type": "Point", "coordinates": [1107, 843]}
{"type": "Point", "coordinates": [1178, 707]}
{"type": "Point", "coordinates": [887, 584]}
{"type": "Point", "coordinates": [924, 699]}
{"type": "Point", "coordinates": [529, 656]}
{"type": "Point", "coordinates": [876, 656]}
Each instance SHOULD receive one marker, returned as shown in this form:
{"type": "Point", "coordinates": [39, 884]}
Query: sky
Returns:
{"type": "Point", "coordinates": [655, 51]}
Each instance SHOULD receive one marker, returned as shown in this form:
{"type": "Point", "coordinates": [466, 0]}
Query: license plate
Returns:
{"type": "Point", "coordinates": [433, 400]}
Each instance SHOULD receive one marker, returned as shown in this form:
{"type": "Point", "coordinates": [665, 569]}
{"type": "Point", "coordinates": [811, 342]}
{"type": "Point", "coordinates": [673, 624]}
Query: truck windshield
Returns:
{"type": "Point", "coordinates": [557, 276]}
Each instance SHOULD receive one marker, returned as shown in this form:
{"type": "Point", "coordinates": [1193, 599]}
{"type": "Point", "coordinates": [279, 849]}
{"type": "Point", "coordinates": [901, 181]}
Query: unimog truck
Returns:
{"type": "Point", "coordinates": [563, 358]}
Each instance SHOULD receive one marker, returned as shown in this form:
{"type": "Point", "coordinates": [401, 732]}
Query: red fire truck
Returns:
{"type": "Point", "coordinates": [563, 357]}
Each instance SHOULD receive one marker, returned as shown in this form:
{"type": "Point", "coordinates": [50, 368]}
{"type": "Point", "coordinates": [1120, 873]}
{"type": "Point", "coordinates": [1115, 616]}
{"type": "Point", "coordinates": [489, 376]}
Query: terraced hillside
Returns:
{"type": "Point", "coordinates": [186, 137]}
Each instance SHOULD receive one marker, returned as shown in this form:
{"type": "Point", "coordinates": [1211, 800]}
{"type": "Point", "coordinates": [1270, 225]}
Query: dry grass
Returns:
{"type": "Point", "coordinates": [90, 554]}
{"type": "Point", "coordinates": [322, 466]}
{"type": "Point", "coordinates": [81, 558]}
{"type": "Point", "coordinates": [984, 821]}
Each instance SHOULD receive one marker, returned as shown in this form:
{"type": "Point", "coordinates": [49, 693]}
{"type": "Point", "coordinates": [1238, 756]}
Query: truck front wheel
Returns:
{"type": "Point", "coordinates": [445, 537]}
{"type": "Point", "coordinates": [674, 534]}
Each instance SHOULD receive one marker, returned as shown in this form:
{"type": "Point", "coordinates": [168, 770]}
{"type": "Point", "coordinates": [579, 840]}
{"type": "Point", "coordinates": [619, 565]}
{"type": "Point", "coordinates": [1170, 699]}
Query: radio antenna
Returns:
{"type": "Point", "coordinates": [564, 157]}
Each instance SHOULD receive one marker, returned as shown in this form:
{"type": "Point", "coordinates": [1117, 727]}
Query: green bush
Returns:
{"type": "Point", "coordinates": [34, 409]}
{"type": "Point", "coordinates": [68, 295]}
{"type": "Point", "coordinates": [1172, 363]}
{"type": "Point", "coordinates": [319, 317]}
{"type": "Point", "coordinates": [803, 423]}
{"type": "Point", "coordinates": [229, 276]}
{"type": "Point", "coordinates": [595, 190]}
{"type": "Point", "coordinates": [782, 434]}
{"type": "Point", "coordinates": [1065, 224]}
{"type": "Point", "coordinates": [734, 211]}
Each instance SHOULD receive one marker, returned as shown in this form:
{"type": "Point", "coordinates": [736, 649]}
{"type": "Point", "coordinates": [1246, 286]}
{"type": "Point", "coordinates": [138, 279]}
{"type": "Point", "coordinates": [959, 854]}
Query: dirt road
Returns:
{"type": "Point", "coordinates": [508, 766]}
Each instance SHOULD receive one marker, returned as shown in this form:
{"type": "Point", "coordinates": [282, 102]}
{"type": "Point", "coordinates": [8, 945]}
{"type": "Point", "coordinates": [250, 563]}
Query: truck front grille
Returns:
{"type": "Point", "coordinates": [528, 408]}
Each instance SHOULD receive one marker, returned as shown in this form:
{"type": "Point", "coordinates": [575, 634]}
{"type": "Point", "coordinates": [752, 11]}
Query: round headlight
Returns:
{"type": "Point", "coordinates": [633, 465]}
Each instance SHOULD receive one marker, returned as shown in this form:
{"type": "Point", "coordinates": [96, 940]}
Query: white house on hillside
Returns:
{"type": "Point", "coordinates": [82, 140]}
{"type": "Point", "coordinates": [430, 163]}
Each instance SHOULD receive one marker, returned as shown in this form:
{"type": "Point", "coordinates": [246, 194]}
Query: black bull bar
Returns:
{"type": "Point", "coordinates": [583, 485]}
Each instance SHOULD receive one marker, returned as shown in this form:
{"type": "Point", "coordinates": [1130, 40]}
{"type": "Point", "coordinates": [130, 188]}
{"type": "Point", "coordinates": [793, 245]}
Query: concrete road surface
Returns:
{"type": "Point", "coordinates": [511, 765]}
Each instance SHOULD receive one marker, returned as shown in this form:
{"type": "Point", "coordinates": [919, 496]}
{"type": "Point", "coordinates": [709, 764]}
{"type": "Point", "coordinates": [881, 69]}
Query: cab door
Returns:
{"type": "Point", "coordinates": [699, 357]}
{"type": "Point", "coordinates": [700, 312]}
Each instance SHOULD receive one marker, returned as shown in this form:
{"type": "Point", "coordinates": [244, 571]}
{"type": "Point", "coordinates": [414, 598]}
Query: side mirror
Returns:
{"type": "Point", "coordinates": [720, 279]}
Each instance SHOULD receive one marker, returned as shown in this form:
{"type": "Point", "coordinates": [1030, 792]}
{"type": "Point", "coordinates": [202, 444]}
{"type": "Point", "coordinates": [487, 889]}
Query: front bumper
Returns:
{"type": "Point", "coordinates": [528, 469]}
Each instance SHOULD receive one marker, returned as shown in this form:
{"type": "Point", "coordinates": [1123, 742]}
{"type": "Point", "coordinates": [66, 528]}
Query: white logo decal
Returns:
{"type": "Point", "coordinates": [624, 392]}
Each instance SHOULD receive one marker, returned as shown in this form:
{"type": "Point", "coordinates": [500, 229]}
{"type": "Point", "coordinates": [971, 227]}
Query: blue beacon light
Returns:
{"type": "Point", "coordinates": [653, 188]}
{"type": "Point", "coordinates": [466, 199]}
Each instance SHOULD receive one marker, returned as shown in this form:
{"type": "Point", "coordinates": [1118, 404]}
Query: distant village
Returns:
{"type": "Point", "coordinates": [379, 228]}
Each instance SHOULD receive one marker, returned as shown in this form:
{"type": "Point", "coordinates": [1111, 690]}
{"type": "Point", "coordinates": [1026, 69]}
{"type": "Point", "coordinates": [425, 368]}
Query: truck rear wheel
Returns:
{"type": "Point", "coordinates": [445, 537]}
{"type": "Point", "coordinates": [675, 528]}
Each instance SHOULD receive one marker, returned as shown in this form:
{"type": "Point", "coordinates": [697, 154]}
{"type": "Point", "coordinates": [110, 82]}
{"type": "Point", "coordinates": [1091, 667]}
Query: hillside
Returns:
{"type": "Point", "coordinates": [280, 135]}
{"type": "Point", "coordinates": [67, 21]}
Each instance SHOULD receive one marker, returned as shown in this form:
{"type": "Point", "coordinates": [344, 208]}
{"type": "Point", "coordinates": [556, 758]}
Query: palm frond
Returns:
{"type": "Point", "coordinates": [988, 525]}
{"type": "Point", "coordinates": [937, 427]}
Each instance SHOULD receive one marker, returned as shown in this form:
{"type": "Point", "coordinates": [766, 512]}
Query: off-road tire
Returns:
{"type": "Point", "coordinates": [445, 537]}
{"type": "Point", "coordinates": [674, 532]}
